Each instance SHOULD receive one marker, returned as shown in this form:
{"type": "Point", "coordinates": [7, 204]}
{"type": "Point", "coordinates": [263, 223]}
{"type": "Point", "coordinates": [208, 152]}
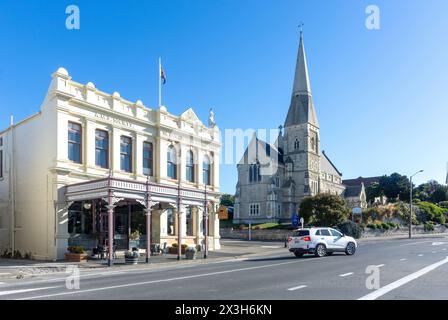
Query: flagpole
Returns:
{"type": "Point", "coordinates": [160, 82]}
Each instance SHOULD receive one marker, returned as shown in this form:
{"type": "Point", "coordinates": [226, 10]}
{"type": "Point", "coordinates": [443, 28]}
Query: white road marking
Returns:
{"type": "Point", "coordinates": [297, 288]}
{"type": "Point", "coordinates": [166, 280]}
{"type": "Point", "coordinates": [444, 249]}
{"type": "Point", "coordinates": [413, 243]}
{"type": "Point", "coordinates": [4, 293]}
{"type": "Point", "coordinates": [396, 284]}
{"type": "Point", "coordinates": [438, 243]}
{"type": "Point", "coordinates": [380, 265]}
{"type": "Point", "coordinates": [346, 274]}
{"type": "Point", "coordinates": [2, 283]}
{"type": "Point", "coordinates": [434, 252]}
{"type": "Point", "coordinates": [420, 255]}
{"type": "Point", "coordinates": [271, 247]}
{"type": "Point", "coordinates": [3, 273]}
{"type": "Point", "coordinates": [403, 259]}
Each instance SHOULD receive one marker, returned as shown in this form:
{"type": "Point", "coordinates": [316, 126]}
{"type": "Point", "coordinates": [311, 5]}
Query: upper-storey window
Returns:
{"type": "Point", "coordinates": [126, 154]}
{"type": "Point", "coordinates": [171, 163]}
{"type": "Point", "coordinates": [296, 144]}
{"type": "Point", "coordinates": [206, 170]}
{"type": "Point", "coordinates": [74, 142]}
{"type": "Point", "coordinates": [190, 166]}
{"type": "Point", "coordinates": [102, 148]}
{"type": "Point", "coordinates": [254, 173]}
{"type": "Point", "coordinates": [147, 158]}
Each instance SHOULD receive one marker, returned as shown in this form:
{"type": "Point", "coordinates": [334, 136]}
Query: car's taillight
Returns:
{"type": "Point", "coordinates": [306, 238]}
{"type": "Point", "coordinates": [289, 239]}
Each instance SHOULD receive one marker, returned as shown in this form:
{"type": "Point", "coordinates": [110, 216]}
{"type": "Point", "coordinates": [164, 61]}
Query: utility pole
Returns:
{"type": "Point", "coordinates": [410, 205]}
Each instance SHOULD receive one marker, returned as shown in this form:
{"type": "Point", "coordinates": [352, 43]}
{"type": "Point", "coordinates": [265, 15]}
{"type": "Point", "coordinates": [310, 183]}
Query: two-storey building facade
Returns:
{"type": "Point", "coordinates": [92, 166]}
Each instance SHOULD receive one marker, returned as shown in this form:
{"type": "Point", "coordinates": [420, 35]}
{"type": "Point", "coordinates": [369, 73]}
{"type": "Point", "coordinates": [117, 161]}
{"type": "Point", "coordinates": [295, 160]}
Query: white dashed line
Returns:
{"type": "Point", "coordinates": [297, 288]}
{"type": "Point", "coordinates": [403, 259]}
{"type": "Point", "coordinates": [4, 293]}
{"type": "Point", "coordinates": [3, 273]}
{"type": "Point", "coordinates": [434, 251]}
{"type": "Point", "coordinates": [396, 284]}
{"type": "Point", "coordinates": [380, 265]}
{"type": "Point", "coordinates": [420, 255]}
{"type": "Point", "coordinates": [346, 274]}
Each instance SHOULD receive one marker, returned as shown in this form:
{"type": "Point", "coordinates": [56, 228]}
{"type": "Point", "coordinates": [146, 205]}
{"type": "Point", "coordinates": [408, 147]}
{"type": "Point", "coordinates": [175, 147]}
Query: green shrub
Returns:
{"type": "Point", "coordinates": [429, 227]}
{"type": "Point", "coordinates": [431, 212]}
{"type": "Point", "coordinates": [385, 226]}
{"type": "Point", "coordinates": [392, 225]}
{"type": "Point", "coordinates": [371, 226]}
{"type": "Point", "coordinates": [76, 249]}
{"type": "Point", "coordinates": [350, 228]}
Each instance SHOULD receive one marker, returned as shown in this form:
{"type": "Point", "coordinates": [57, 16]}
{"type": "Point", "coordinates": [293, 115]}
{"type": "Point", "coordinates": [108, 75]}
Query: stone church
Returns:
{"type": "Point", "coordinates": [273, 179]}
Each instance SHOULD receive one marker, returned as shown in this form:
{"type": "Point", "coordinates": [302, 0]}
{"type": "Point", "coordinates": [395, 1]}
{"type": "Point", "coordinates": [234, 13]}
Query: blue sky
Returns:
{"type": "Point", "coordinates": [381, 95]}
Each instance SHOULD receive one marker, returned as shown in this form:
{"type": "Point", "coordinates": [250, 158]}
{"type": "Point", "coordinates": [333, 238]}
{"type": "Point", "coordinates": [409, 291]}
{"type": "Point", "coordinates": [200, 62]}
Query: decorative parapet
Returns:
{"type": "Point", "coordinates": [187, 122]}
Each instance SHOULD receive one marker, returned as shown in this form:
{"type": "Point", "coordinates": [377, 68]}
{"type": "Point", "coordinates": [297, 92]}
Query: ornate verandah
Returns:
{"type": "Point", "coordinates": [112, 190]}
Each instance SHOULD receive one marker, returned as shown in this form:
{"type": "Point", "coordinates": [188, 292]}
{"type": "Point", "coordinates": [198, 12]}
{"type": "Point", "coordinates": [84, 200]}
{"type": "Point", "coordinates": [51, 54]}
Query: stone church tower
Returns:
{"type": "Point", "coordinates": [294, 166]}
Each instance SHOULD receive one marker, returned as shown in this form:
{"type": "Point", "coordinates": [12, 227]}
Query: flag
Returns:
{"type": "Point", "coordinates": [162, 75]}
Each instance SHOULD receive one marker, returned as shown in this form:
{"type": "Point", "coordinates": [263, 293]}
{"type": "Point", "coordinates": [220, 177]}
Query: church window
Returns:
{"type": "Point", "coordinates": [296, 144]}
{"type": "Point", "coordinates": [313, 144]}
{"type": "Point", "coordinates": [254, 209]}
{"type": "Point", "coordinates": [254, 173]}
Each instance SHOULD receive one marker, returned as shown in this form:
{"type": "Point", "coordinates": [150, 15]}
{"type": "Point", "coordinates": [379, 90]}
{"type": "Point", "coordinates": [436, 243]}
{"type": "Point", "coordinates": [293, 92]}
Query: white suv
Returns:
{"type": "Point", "coordinates": [320, 242]}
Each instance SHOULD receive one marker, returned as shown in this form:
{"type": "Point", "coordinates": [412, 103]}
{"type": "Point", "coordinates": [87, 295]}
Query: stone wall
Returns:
{"type": "Point", "coordinates": [281, 235]}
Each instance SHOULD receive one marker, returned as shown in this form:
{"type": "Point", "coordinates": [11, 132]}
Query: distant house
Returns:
{"type": "Point", "coordinates": [355, 192]}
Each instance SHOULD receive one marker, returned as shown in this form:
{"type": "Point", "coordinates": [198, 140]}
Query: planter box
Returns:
{"type": "Point", "coordinates": [76, 257]}
{"type": "Point", "coordinates": [173, 250]}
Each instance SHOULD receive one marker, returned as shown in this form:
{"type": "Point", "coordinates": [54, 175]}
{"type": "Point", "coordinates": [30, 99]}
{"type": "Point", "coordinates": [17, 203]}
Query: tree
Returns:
{"type": "Point", "coordinates": [324, 210]}
{"type": "Point", "coordinates": [395, 186]}
{"type": "Point", "coordinates": [432, 191]}
{"type": "Point", "coordinates": [373, 191]}
{"type": "Point", "coordinates": [227, 200]}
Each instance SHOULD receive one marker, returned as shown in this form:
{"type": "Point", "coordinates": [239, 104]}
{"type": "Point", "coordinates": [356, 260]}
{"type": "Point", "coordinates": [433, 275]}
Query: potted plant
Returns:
{"type": "Point", "coordinates": [76, 254]}
{"type": "Point", "coordinates": [174, 249]}
{"type": "Point", "coordinates": [134, 240]}
{"type": "Point", "coordinates": [190, 253]}
{"type": "Point", "coordinates": [131, 257]}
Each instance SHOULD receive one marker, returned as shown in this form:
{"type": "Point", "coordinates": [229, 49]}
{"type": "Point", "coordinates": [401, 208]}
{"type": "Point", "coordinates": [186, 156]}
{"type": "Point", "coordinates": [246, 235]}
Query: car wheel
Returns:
{"type": "Point", "coordinates": [350, 249]}
{"type": "Point", "coordinates": [329, 253]}
{"type": "Point", "coordinates": [321, 250]}
{"type": "Point", "coordinates": [298, 254]}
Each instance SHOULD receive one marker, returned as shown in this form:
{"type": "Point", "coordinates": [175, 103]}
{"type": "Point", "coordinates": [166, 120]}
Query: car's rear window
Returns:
{"type": "Point", "coordinates": [301, 233]}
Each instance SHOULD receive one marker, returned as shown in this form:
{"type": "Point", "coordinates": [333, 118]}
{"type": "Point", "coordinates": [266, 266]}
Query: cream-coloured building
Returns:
{"type": "Point", "coordinates": [88, 157]}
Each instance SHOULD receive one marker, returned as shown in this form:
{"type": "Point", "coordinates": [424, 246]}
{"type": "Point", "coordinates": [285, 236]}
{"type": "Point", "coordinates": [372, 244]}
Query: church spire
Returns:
{"type": "Point", "coordinates": [301, 109]}
{"type": "Point", "coordinates": [301, 78]}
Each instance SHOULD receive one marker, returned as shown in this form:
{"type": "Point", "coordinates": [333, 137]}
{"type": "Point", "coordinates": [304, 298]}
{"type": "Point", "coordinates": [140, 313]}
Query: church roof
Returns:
{"type": "Point", "coordinates": [261, 151]}
{"type": "Point", "coordinates": [327, 166]}
{"type": "Point", "coordinates": [357, 182]}
{"type": "Point", "coordinates": [353, 191]}
{"type": "Point", "coordinates": [301, 109]}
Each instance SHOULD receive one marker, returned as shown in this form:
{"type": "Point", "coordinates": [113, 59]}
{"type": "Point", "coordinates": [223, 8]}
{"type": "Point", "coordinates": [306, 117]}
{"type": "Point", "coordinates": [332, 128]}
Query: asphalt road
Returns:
{"type": "Point", "coordinates": [408, 269]}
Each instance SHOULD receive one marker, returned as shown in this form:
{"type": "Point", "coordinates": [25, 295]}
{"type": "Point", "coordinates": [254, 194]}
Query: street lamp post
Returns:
{"type": "Point", "coordinates": [410, 205]}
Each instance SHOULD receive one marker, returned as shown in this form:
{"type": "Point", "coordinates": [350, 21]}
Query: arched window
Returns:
{"type": "Point", "coordinates": [147, 158]}
{"type": "Point", "coordinates": [190, 166]}
{"type": "Point", "coordinates": [296, 144]}
{"type": "Point", "coordinates": [313, 144]}
{"type": "Point", "coordinates": [172, 162]}
{"type": "Point", "coordinates": [254, 173]}
{"type": "Point", "coordinates": [206, 171]}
